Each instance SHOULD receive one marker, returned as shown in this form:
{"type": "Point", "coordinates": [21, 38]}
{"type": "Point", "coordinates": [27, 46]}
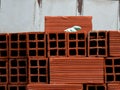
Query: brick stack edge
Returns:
{"type": "Point", "coordinates": [85, 60]}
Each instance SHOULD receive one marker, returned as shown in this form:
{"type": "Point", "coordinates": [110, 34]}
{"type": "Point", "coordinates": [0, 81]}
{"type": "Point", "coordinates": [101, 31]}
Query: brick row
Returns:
{"type": "Point", "coordinates": [54, 87]}
{"type": "Point", "coordinates": [3, 45]}
{"type": "Point", "coordinates": [112, 69]}
{"type": "Point", "coordinates": [3, 71]}
{"type": "Point", "coordinates": [76, 70]}
{"type": "Point", "coordinates": [37, 70]}
{"type": "Point", "coordinates": [18, 71]}
{"type": "Point", "coordinates": [60, 23]}
{"type": "Point", "coordinates": [97, 43]}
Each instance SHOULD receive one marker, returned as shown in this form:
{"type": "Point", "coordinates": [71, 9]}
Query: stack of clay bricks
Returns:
{"type": "Point", "coordinates": [17, 61]}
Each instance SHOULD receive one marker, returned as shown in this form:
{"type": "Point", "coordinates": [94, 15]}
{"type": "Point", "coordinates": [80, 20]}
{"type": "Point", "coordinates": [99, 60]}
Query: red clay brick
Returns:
{"type": "Point", "coordinates": [112, 69]}
{"type": "Point", "coordinates": [114, 43]}
{"type": "Point", "coordinates": [76, 44]}
{"type": "Point", "coordinates": [97, 43]}
{"type": "Point", "coordinates": [17, 45]}
{"type": "Point", "coordinates": [36, 43]}
{"type": "Point", "coordinates": [38, 70]}
{"type": "Point", "coordinates": [60, 23]}
{"type": "Point", "coordinates": [18, 71]}
{"type": "Point", "coordinates": [76, 70]}
{"type": "Point", "coordinates": [57, 44]}
{"type": "Point", "coordinates": [54, 87]}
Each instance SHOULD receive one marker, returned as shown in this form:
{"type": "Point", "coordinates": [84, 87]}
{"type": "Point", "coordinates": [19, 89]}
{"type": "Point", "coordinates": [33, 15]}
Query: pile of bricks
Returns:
{"type": "Point", "coordinates": [84, 60]}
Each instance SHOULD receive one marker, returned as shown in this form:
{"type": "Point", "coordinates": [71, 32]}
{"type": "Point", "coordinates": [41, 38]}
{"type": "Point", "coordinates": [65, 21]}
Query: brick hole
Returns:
{"type": "Point", "coordinates": [81, 52]}
{"type": "Point", "coordinates": [22, 37]}
{"type": "Point", "coordinates": [22, 79]}
{"type": "Point", "coordinates": [33, 70]}
{"type": "Point", "coordinates": [14, 45]}
{"type": "Point", "coordinates": [117, 62]}
{"type": "Point", "coordinates": [110, 78]}
{"type": "Point", "coordinates": [117, 69]}
{"type": "Point", "coordinates": [101, 43]}
{"type": "Point", "coordinates": [93, 43]}
{"type": "Point", "coordinates": [23, 45]}
{"type": "Point", "coordinates": [72, 52]}
{"type": "Point", "coordinates": [13, 71]}
{"type": "Point", "coordinates": [81, 44]}
{"type": "Point", "coordinates": [3, 79]}
{"type": "Point", "coordinates": [3, 38]}
{"type": "Point", "coordinates": [22, 63]}
{"type": "Point", "coordinates": [61, 44]}
{"type": "Point", "coordinates": [32, 37]}
{"type": "Point", "coordinates": [32, 52]}
{"type": "Point", "coordinates": [108, 62]}
{"type": "Point", "coordinates": [33, 63]}
{"type": "Point", "coordinates": [72, 36]}
{"type": "Point", "coordinates": [34, 78]}
{"type": "Point", "coordinates": [14, 53]}
{"type": "Point", "coordinates": [117, 77]}
{"type": "Point", "coordinates": [4, 53]}
{"type": "Point", "coordinates": [91, 88]}
{"type": "Point", "coordinates": [81, 36]}
{"type": "Point", "coordinates": [2, 63]}
{"type": "Point", "coordinates": [22, 53]}
{"type": "Point", "coordinates": [22, 88]}
{"type": "Point", "coordinates": [42, 62]}
{"type": "Point", "coordinates": [42, 71]}
{"type": "Point", "coordinates": [52, 36]}
{"type": "Point", "coordinates": [53, 52]}
{"type": "Point", "coordinates": [3, 45]}
{"type": "Point", "coordinates": [13, 63]}
{"type": "Point", "coordinates": [40, 36]}
{"type": "Point", "coordinates": [61, 52]}
{"type": "Point", "coordinates": [53, 44]}
{"type": "Point", "coordinates": [32, 44]}
{"type": "Point", "coordinates": [109, 70]}
{"type": "Point", "coordinates": [14, 37]}
{"type": "Point", "coordinates": [3, 71]}
{"type": "Point", "coordinates": [93, 51]}
{"type": "Point", "coordinates": [72, 44]}
{"type": "Point", "coordinates": [41, 45]}
{"type": "Point", "coordinates": [101, 51]}
{"type": "Point", "coordinates": [41, 53]}
{"type": "Point", "coordinates": [93, 35]}
{"type": "Point", "coordinates": [14, 79]}
{"type": "Point", "coordinates": [42, 79]}
{"type": "Point", "coordinates": [2, 88]}
{"type": "Point", "coordinates": [13, 88]}
{"type": "Point", "coordinates": [22, 71]}
{"type": "Point", "coordinates": [61, 36]}
{"type": "Point", "coordinates": [101, 35]}
{"type": "Point", "coordinates": [100, 88]}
